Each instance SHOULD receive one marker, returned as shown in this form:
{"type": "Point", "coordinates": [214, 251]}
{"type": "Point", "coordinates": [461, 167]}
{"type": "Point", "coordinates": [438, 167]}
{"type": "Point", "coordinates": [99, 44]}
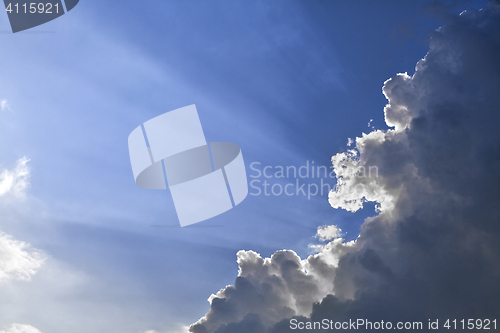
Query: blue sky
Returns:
{"type": "Point", "coordinates": [288, 81]}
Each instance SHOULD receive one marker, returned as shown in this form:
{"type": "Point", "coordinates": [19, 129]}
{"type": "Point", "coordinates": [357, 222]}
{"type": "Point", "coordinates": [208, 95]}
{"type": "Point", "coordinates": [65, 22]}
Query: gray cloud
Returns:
{"type": "Point", "coordinates": [433, 250]}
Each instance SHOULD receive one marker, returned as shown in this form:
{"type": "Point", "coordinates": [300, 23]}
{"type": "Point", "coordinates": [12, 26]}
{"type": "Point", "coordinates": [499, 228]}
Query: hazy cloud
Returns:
{"type": "Point", "coordinates": [19, 328]}
{"type": "Point", "coordinates": [183, 329]}
{"type": "Point", "coordinates": [18, 261]}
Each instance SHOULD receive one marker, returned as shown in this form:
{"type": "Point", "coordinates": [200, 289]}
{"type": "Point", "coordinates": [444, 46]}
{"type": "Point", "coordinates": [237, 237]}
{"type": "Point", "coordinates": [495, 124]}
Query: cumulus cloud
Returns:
{"type": "Point", "coordinates": [19, 328]}
{"type": "Point", "coordinates": [271, 289]}
{"type": "Point", "coordinates": [18, 261]}
{"type": "Point", "coordinates": [328, 232]}
{"type": "Point", "coordinates": [433, 249]}
{"type": "Point", "coordinates": [15, 181]}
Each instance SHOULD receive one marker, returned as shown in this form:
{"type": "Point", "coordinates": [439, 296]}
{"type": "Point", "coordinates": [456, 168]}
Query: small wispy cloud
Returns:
{"type": "Point", "coordinates": [15, 181]}
{"type": "Point", "coordinates": [4, 105]}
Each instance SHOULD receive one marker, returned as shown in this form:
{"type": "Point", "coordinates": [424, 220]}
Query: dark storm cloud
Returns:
{"type": "Point", "coordinates": [433, 251]}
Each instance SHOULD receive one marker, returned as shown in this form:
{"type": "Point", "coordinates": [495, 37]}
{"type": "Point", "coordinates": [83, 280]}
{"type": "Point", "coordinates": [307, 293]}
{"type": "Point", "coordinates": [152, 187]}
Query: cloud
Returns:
{"type": "Point", "coordinates": [19, 328]}
{"type": "Point", "coordinates": [270, 289]}
{"type": "Point", "coordinates": [4, 105]}
{"type": "Point", "coordinates": [18, 261]}
{"type": "Point", "coordinates": [433, 249]}
{"type": "Point", "coordinates": [15, 181]}
{"type": "Point", "coordinates": [328, 232]}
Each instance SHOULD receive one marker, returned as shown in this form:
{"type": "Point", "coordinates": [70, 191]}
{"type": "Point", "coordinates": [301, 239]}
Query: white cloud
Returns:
{"type": "Point", "coordinates": [328, 232]}
{"type": "Point", "coordinates": [15, 181]}
{"type": "Point", "coordinates": [18, 261]}
{"type": "Point", "coordinates": [20, 328]}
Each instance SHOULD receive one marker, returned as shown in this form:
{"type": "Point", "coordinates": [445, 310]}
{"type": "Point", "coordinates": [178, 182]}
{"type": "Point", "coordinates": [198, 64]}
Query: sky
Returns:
{"type": "Point", "coordinates": [408, 88]}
